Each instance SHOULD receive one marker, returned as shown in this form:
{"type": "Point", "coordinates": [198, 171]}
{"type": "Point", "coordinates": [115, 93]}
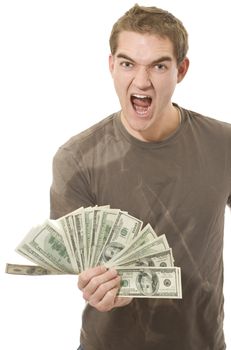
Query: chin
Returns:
{"type": "Point", "coordinates": [135, 121]}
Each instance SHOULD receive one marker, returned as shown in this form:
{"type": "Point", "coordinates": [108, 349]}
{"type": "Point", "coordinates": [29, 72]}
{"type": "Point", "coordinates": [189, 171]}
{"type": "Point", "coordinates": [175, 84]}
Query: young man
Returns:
{"type": "Point", "coordinates": [165, 165]}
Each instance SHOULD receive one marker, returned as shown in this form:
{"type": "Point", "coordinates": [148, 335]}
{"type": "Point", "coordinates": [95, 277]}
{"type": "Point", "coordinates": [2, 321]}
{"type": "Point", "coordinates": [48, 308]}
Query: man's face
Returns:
{"type": "Point", "coordinates": [145, 73]}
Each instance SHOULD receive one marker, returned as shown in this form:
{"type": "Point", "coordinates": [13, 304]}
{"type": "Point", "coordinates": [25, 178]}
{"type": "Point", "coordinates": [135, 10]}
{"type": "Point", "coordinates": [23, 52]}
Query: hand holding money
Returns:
{"type": "Point", "coordinates": [105, 237]}
{"type": "Point", "coordinates": [100, 286]}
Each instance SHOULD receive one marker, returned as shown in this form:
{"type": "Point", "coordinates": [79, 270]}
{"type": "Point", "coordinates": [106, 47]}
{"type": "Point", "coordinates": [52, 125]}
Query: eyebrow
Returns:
{"type": "Point", "coordinates": [161, 59]}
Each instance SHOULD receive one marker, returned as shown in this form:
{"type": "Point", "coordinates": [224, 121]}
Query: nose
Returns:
{"type": "Point", "coordinates": [141, 79]}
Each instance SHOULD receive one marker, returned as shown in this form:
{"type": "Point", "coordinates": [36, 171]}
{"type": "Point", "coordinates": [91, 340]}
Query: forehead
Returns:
{"type": "Point", "coordinates": [144, 48]}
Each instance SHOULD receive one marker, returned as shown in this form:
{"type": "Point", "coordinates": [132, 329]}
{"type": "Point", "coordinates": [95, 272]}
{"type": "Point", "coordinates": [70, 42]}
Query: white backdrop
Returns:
{"type": "Point", "coordinates": [54, 82]}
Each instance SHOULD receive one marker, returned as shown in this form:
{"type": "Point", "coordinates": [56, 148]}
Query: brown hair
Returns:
{"type": "Point", "coordinates": [152, 20]}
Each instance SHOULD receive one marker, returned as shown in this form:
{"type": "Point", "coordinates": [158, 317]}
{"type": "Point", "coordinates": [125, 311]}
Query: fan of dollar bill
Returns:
{"type": "Point", "coordinates": [99, 235]}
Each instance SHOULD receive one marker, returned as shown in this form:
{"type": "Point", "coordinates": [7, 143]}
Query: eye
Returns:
{"type": "Point", "coordinates": [160, 67]}
{"type": "Point", "coordinates": [126, 64]}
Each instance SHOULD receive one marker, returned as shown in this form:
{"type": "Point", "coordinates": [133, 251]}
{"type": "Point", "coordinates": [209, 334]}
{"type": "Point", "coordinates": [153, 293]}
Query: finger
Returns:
{"type": "Point", "coordinates": [86, 276]}
{"type": "Point", "coordinates": [97, 281]}
{"type": "Point", "coordinates": [107, 303]}
{"type": "Point", "coordinates": [101, 291]}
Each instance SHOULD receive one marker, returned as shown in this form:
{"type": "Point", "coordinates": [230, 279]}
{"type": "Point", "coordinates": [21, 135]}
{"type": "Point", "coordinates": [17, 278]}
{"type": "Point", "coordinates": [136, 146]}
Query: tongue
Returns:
{"type": "Point", "coordinates": [144, 102]}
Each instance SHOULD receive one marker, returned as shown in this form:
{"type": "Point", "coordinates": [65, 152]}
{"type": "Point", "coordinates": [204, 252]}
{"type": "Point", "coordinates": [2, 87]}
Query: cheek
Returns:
{"type": "Point", "coordinates": [120, 91]}
{"type": "Point", "coordinates": [121, 87]}
{"type": "Point", "coordinates": [166, 87]}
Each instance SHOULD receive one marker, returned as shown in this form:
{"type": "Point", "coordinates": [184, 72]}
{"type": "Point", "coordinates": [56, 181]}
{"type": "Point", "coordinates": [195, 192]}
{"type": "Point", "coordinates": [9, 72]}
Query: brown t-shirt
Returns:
{"type": "Point", "coordinates": [180, 186]}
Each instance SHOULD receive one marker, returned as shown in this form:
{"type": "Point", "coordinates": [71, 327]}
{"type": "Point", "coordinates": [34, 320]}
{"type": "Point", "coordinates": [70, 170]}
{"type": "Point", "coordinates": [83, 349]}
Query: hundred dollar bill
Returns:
{"type": "Point", "coordinates": [26, 251]}
{"type": "Point", "coordinates": [88, 223]}
{"type": "Point", "coordinates": [157, 245]}
{"type": "Point", "coordinates": [47, 242]}
{"type": "Point", "coordinates": [124, 230]}
{"type": "Point", "coordinates": [71, 244]}
{"type": "Point", "coordinates": [91, 220]}
{"type": "Point", "coordinates": [30, 270]}
{"type": "Point", "coordinates": [105, 226]}
{"type": "Point", "coordinates": [74, 227]}
{"type": "Point", "coordinates": [161, 259]}
{"type": "Point", "coordinates": [96, 220]}
{"type": "Point", "coordinates": [146, 235]}
{"type": "Point", "coordinates": [150, 282]}
{"type": "Point", "coordinates": [80, 232]}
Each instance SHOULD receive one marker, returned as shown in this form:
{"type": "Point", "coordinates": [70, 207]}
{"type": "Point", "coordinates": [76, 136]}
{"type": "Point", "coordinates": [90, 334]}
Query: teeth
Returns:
{"type": "Point", "coordinates": [141, 96]}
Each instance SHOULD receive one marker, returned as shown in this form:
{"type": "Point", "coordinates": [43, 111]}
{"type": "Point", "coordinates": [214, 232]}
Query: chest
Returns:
{"type": "Point", "coordinates": [172, 178]}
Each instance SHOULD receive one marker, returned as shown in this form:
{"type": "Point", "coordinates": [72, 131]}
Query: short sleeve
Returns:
{"type": "Point", "coordinates": [70, 187]}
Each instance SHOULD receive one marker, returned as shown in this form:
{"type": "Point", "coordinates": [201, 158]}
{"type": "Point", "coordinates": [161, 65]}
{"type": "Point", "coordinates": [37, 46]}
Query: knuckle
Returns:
{"type": "Point", "coordinates": [103, 288]}
{"type": "Point", "coordinates": [82, 281]}
{"type": "Point", "coordinates": [111, 293]}
{"type": "Point", "coordinates": [93, 300]}
{"type": "Point", "coordinates": [85, 295]}
{"type": "Point", "coordinates": [94, 283]}
{"type": "Point", "coordinates": [94, 303]}
{"type": "Point", "coordinates": [102, 305]}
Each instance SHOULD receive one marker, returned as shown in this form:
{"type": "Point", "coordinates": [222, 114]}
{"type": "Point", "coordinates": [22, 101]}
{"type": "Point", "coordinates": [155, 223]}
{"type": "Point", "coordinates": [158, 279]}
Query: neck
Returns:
{"type": "Point", "coordinates": [163, 126]}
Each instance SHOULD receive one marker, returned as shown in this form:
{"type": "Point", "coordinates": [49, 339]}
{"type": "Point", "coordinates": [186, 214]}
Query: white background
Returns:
{"type": "Point", "coordinates": [54, 82]}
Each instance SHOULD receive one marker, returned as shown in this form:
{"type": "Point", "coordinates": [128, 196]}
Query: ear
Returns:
{"type": "Point", "coordinates": [182, 69]}
{"type": "Point", "coordinates": [111, 63]}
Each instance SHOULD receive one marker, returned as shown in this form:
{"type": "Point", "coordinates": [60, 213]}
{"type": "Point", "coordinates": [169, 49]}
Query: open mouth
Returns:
{"type": "Point", "coordinates": [141, 103]}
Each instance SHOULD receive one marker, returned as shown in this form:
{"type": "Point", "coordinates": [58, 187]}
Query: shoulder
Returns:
{"type": "Point", "coordinates": [93, 137]}
{"type": "Point", "coordinates": [208, 124]}
{"type": "Point", "coordinates": [207, 120]}
{"type": "Point", "coordinates": [93, 134]}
